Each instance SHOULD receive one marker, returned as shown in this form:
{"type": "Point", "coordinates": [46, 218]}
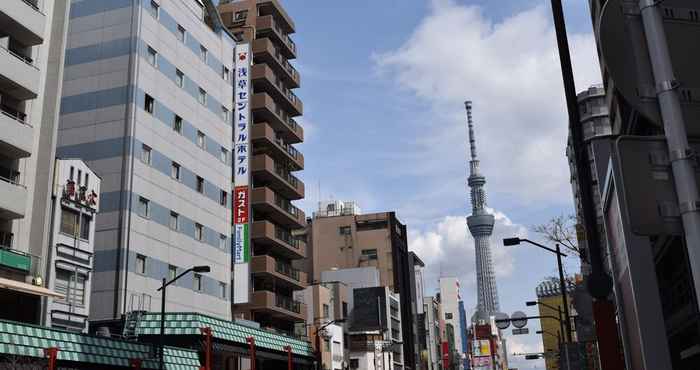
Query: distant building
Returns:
{"type": "Point", "coordinates": [377, 240]}
{"type": "Point", "coordinates": [549, 294]}
{"type": "Point", "coordinates": [375, 330]}
{"type": "Point", "coordinates": [432, 333]}
{"type": "Point", "coordinates": [32, 51]}
{"type": "Point", "coordinates": [75, 203]}
{"type": "Point", "coordinates": [146, 103]}
{"type": "Point", "coordinates": [449, 302]}
{"type": "Point", "coordinates": [417, 308]}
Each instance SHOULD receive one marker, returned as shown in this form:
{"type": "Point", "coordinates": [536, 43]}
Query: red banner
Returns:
{"type": "Point", "coordinates": [445, 355]}
{"type": "Point", "coordinates": [240, 205]}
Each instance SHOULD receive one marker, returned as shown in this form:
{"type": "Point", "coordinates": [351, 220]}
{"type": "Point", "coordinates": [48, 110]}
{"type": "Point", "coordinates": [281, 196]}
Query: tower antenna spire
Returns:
{"type": "Point", "coordinates": [480, 225]}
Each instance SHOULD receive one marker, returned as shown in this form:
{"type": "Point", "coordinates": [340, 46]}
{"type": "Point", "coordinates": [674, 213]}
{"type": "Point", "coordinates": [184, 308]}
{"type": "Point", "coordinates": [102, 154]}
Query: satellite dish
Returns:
{"type": "Point", "coordinates": [518, 318]}
{"type": "Point", "coordinates": [502, 320]}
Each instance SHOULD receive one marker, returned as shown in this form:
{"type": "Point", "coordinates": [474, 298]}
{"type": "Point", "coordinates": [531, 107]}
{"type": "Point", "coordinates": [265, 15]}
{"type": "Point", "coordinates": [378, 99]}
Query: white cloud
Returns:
{"type": "Point", "coordinates": [448, 250]}
{"type": "Point", "coordinates": [524, 344]}
{"type": "Point", "coordinates": [510, 70]}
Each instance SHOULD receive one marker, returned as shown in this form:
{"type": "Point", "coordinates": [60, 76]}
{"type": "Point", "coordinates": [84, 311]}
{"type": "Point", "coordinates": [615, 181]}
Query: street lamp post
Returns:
{"type": "Point", "coordinates": [562, 283]}
{"type": "Point", "coordinates": [161, 337]}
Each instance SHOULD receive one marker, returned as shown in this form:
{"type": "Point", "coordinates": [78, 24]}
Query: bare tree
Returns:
{"type": "Point", "coordinates": [560, 230]}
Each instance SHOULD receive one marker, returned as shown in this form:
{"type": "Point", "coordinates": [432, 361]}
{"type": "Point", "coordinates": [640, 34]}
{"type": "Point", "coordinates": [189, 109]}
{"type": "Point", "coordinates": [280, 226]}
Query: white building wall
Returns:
{"type": "Point", "coordinates": [449, 298]}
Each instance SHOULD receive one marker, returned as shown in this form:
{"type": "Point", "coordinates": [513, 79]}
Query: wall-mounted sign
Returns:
{"type": "Point", "coordinates": [241, 175]}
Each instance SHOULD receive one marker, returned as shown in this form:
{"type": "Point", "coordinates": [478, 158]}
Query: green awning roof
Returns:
{"type": "Point", "coordinates": [30, 340]}
{"type": "Point", "coordinates": [190, 323]}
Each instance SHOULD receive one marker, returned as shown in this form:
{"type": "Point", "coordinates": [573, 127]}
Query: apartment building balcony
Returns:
{"type": "Point", "coordinates": [23, 21]}
{"type": "Point", "coordinates": [273, 207]}
{"type": "Point", "coordinates": [13, 201]}
{"type": "Point", "coordinates": [277, 305]}
{"type": "Point", "coordinates": [19, 77]}
{"type": "Point", "coordinates": [266, 236]}
{"type": "Point", "coordinates": [264, 51]}
{"type": "Point", "coordinates": [282, 271]}
{"type": "Point", "coordinates": [273, 174]}
{"type": "Point", "coordinates": [267, 26]}
{"type": "Point", "coordinates": [265, 109]}
{"type": "Point", "coordinates": [19, 265]}
{"type": "Point", "coordinates": [265, 139]}
{"type": "Point", "coordinates": [264, 79]}
{"type": "Point", "coordinates": [16, 136]}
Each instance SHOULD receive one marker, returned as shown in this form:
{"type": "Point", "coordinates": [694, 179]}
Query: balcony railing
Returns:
{"type": "Point", "coordinates": [10, 175]}
{"type": "Point", "coordinates": [27, 60]}
{"type": "Point", "coordinates": [287, 303]}
{"type": "Point", "coordinates": [286, 175]}
{"type": "Point", "coordinates": [18, 116]}
{"type": "Point", "coordinates": [291, 150]}
{"type": "Point", "coordinates": [6, 239]}
{"type": "Point", "coordinates": [286, 236]}
{"type": "Point", "coordinates": [22, 261]}
{"type": "Point", "coordinates": [286, 205]}
{"type": "Point", "coordinates": [287, 270]}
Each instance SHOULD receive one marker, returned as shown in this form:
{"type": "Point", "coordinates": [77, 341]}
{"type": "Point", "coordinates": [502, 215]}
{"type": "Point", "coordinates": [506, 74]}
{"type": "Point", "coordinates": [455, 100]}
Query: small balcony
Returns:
{"type": "Point", "coordinates": [273, 207]}
{"type": "Point", "coordinates": [265, 109]}
{"type": "Point", "coordinates": [269, 237]}
{"type": "Point", "coordinates": [282, 271]}
{"type": "Point", "coordinates": [19, 77]}
{"type": "Point", "coordinates": [266, 26]}
{"type": "Point", "coordinates": [266, 140]}
{"type": "Point", "coordinates": [277, 305]}
{"type": "Point", "coordinates": [273, 174]}
{"type": "Point", "coordinates": [264, 79]}
{"type": "Point", "coordinates": [23, 21]}
{"type": "Point", "coordinates": [13, 201]}
{"type": "Point", "coordinates": [266, 52]}
{"type": "Point", "coordinates": [16, 136]}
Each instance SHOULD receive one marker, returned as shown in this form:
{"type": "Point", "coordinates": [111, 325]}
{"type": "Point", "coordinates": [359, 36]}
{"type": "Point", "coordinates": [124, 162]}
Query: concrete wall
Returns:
{"type": "Point", "coordinates": [449, 300]}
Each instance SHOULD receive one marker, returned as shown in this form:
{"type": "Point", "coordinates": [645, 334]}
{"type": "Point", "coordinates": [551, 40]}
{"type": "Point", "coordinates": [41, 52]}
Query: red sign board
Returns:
{"type": "Point", "coordinates": [445, 355]}
{"type": "Point", "coordinates": [240, 205]}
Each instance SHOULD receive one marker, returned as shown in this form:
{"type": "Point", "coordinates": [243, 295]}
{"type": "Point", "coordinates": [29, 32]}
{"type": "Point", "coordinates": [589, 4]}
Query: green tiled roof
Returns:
{"type": "Point", "coordinates": [190, 323]}
{"type": "Point", "coordinates": [30, 340]}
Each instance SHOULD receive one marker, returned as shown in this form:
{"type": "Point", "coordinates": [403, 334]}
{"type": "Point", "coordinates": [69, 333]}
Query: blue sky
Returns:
{"type": "Point", "coordinates": [383, 83]}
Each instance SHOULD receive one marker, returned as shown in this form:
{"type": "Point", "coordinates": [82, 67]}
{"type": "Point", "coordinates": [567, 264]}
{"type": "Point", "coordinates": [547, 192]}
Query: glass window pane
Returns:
{"type": "Point", "coordinates": [85, 227]}
{"type": "Point", "coordinates": [69, 221]}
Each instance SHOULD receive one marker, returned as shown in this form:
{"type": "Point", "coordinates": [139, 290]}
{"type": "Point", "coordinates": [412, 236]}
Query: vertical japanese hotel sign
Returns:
{"type": "Point", "coordinates": [241, 175]}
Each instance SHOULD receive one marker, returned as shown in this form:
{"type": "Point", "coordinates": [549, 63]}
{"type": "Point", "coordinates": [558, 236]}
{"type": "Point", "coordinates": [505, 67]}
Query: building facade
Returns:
{"type": "Point", "coordinates": [267, 27]}
{"type": "Point", "coordinates": [146, 103]}
{"type": "Point", "coordinates": [432, 333]}
{"type": "Point", "coordinates": [75, 204]}
{"type": "Point", "coordinates": [343, 240]}
{"type": "Point", "coordinates": [32, 49]}
{"type": "Point", "coordinates": [375, 330]}
{"type": "Point", "coordinates": [449, 302]}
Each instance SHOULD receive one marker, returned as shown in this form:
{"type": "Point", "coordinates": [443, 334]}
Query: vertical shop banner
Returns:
{"type": "Point", "coordinates": [241, 175]}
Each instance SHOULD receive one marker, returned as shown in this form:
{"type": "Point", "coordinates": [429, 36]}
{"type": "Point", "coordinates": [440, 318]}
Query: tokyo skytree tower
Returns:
{"type": "Point", "coordinates": [481, 227]}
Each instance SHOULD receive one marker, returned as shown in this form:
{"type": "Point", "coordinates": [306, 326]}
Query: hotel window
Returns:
{"type": "Point", "coordinates": [69, 222]}
{"type": "Point", "coordinates": [179, 78]}
{"type": "Point", "coordinates": [177, 124]}
{"type": "Point", "coordinates": [149, 103]}
{"type": "Point", "coordinates": [202, 96]}
{"type": "Point", "coordinates": [201, 140]}
{"type": "Point", "coordinates": [223, 198]}
{"type": "Point", "coordinates": [198, 282]}
{"type": "Point", "coordinates": [140, 264]}
{"type": "Point", "coordinates": [222, 241]}
{"type": "Point", "coordinates": [174, 220]}
{"type": "Point", "coordinates": [225, 114]}
{"type": "Point", "coordinates": [144, 209]}
{"type": "Point", "coordinates": [152, 56]}
{"type": "Point", "coordinates": [200, 185]}
{"type": "Point", "coordinates": [198, 231]}
{"type": "Point", "coordinates": [175, 171]}
{"type": "Point", "coordinates": [154, 9]}
{"type": "Point", "coordinates": [224, 155]}
{"type": "Point", "coordinates": [225, 73]}
{"type": "Point", "coordinates": [223, 288]}
{"type": "Point", "coordinates": [145, 154]}
{"type": "Point", "coordinates": [203, 53]}
{"type": "Point", "coordinates": [85, 227]}
{"type": "Point", "coordinates": [172, 272]}
{"type": "Point", "coordinates": [181, 32]}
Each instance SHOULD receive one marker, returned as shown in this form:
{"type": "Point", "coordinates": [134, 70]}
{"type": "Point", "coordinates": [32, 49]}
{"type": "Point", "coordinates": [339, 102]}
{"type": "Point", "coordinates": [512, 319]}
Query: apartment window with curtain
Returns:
{"type": "Point", "coordinates": [202, 96]}
{"type": "Point", "coordinates": [198, 282]}
{"type": "Point", "coordinates": [152, 56]}
{"type": "Point", "coordinates": [146, 154]}
{"type": "Point", "coordinates": [144, 207]}
{"type": "Point", "coordinates": [179, 78]}
{"type": "Point", "coordinates": [181, 32]}
{"type": "Point", "coordinates": [149, 104]}
{"type": "Point", "coordinates": [201, 140]}
{"type": "Point", "coordinates": [198, 231]}
{"type": "Point", "coordinates": [174, 221]}
{"type": "Point", "coordinates": [140, 264]}
{"type": "Point", "coordinates": [203, 53]}
{"type": "Point", "coordinates": [177, 124]}
{"type": "Point", "coordinates": [172, 272]}
{"type": "Point", "coordinates": [154, 9]}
